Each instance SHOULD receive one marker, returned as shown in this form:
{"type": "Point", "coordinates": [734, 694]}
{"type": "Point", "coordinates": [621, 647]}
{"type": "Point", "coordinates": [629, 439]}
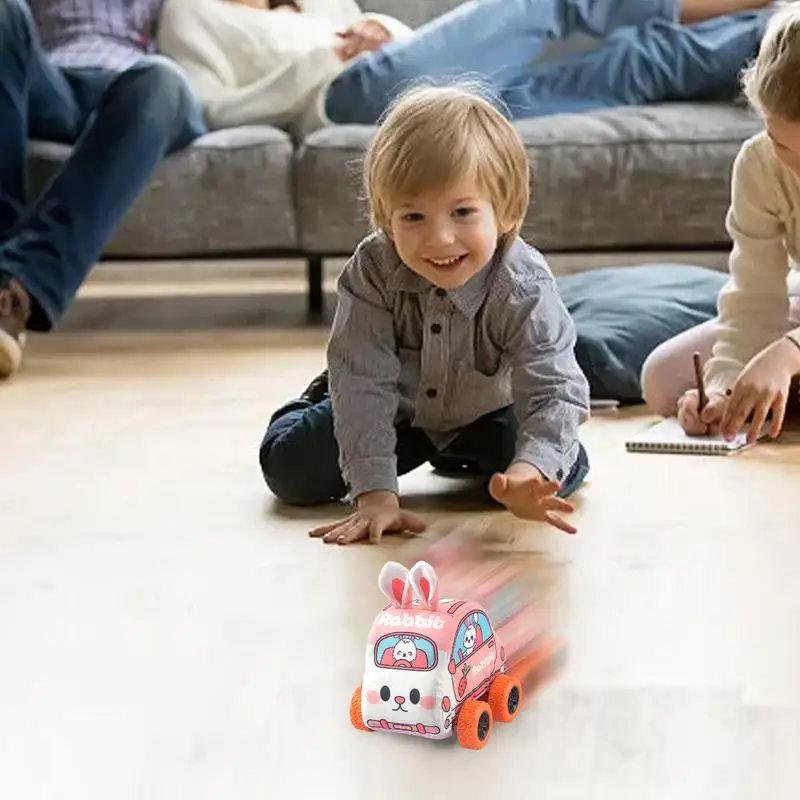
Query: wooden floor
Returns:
{"type": "Point", "coordinates": [167, 632]}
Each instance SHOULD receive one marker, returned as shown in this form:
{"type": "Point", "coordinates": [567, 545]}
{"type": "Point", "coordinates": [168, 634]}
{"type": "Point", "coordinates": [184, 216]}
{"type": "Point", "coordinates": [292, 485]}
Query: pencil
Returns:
{"type": "Point", "coordinates": [702, 399]}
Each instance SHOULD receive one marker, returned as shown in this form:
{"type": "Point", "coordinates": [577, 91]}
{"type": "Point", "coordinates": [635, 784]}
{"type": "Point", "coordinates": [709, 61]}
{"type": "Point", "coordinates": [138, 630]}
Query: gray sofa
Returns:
{"type": "Point", "coordinates": [654, 177]}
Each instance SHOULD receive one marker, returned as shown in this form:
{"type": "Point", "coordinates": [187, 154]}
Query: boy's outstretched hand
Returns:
{"type": "Point", "coordinates": [527, 494]}
{"type": "Point", "coordinates": [377, 513]}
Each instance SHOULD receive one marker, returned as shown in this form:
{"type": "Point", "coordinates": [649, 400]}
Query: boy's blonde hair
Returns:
{"type": "Point", "coordinates": [435, 136]}
{"type": "Point", "coordinates": [772, 82]}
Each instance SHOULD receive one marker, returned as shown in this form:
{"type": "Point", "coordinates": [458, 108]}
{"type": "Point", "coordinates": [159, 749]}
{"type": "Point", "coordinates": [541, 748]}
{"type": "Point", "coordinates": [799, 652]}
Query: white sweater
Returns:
{"type": "Point", "coordinates": [249, 66]}
{"type": "Point", "coordinates": [764, 223]}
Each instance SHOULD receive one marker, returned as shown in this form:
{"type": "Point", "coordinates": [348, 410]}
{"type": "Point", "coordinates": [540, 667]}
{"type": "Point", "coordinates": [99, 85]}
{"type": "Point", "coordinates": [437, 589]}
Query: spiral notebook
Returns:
{"type": "Point", "coordinates": [667, 436]}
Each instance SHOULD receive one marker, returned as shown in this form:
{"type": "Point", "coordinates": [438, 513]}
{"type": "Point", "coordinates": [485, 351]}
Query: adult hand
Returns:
{"type": "Point", "coordinates": [377, 513]}
{"type": "Point", "coordinates": [364, 36]}
{"type": "Point", "coordinates": [762, 388]}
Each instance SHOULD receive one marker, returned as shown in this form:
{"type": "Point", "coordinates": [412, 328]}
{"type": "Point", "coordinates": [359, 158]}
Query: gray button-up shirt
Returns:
{"type": "Point", "coordinates": [504, 338]}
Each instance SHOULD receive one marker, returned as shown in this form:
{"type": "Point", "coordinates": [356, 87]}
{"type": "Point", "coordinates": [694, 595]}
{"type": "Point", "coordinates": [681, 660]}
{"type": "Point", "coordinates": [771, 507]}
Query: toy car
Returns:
{"type": "Point", "coordinates": [510, 589]}
{"type": "Point", "coordinates": [434, 667]}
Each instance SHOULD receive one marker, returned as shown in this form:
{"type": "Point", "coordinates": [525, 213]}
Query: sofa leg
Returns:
{"type": "Point", "coordinates": [316, 297]}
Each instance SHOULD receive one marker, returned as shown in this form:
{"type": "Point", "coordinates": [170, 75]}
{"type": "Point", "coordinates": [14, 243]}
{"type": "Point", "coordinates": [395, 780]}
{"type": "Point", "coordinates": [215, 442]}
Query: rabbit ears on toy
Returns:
{"type": "Point", "coordinates": [400, 584]}
{"type": "Point", "coordinates": [393, 581]}
{"type": "Point", "coordinates": [423, 579]}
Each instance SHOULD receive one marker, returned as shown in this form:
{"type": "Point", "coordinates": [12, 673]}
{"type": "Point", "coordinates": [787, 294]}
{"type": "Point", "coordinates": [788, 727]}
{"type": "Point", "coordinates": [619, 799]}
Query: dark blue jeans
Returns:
{"type": "Point", "coordinates": [121, 125]}
{"type": "Point", "coordinates": [645, 56]}
{"type": "Point", "coordinates": [300, 457]}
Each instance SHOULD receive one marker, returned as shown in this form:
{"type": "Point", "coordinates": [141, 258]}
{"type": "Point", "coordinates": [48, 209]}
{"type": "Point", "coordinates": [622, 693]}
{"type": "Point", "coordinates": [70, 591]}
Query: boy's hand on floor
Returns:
{"type": "Point", "coordinates": [705, 424]}
{"type": "Point", "coordinates": [527, 494]}
{"type": "Point", "coordinates": [377, 513]}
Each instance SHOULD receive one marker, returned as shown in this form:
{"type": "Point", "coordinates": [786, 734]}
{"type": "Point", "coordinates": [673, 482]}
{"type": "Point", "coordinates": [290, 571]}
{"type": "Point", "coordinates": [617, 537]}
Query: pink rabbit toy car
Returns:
{"type": "Point", "coordinates": [434, 667]}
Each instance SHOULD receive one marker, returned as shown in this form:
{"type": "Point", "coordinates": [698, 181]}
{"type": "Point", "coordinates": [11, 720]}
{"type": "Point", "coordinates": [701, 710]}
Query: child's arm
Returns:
{"type": "Point", "coordinates": [363, 372]}
{"type": "Point", "coordinates": [551, 393]}
{"type": "Point", "coordinates": [363, 369]}
{"type": "Point", "coordinates": [754, 305]}
{"type": "Point", "coordinates": [551, 402]}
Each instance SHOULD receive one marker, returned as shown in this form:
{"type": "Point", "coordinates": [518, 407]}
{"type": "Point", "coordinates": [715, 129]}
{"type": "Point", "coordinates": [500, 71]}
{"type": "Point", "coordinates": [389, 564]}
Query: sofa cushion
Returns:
{"type": "Point", "coordinates": [649, 176]}
{"type": "Point", "coordinates": [622, 314]}
{"type": "Point", "coordinates": [230, 192]}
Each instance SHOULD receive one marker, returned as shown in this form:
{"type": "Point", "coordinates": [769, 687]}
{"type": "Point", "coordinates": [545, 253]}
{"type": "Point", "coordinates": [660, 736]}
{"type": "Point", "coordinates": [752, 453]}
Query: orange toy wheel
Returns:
{"type": "Point", "coordinates": [356, 718]}
{"type": "Point", "coordinates": [505, 698]}
{"type": "Point", "coordinates": [474, 724]}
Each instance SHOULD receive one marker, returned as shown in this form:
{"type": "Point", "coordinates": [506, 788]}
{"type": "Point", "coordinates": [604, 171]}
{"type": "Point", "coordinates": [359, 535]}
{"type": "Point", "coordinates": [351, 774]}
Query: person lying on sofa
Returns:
{"type": "Point", "coordinates": [312, 63]}
{"type": "Point", "coordinates": [83, 73]}
{"type": "Point", "coordinates": [268, 61]}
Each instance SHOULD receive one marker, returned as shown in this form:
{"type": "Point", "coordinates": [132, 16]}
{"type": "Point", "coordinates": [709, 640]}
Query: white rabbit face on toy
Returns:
{"type": "Point", "coordinates": [402, 698]}
{"type": "Point", "coordinates": [470, 635]}
{"type": "Point", "coordinates": [401, 689]}
{"type": "Point", "coordinates": [404, 650]}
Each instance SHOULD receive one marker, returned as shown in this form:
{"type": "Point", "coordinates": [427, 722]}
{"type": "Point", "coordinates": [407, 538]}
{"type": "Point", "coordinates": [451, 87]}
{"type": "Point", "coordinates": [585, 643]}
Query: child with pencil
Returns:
{"type": "Point", "coordinates": [752, 349]}
{"type": "Point", "coordinates": [449, 341]}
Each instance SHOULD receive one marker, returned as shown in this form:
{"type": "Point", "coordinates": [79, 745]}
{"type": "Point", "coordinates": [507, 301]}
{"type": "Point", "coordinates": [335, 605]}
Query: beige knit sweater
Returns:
{"type": "Point", "coordinates": [764, 223]}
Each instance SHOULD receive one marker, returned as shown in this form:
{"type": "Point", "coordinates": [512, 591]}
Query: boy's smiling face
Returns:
{"type": "Point", "coordinates": [447, 235]}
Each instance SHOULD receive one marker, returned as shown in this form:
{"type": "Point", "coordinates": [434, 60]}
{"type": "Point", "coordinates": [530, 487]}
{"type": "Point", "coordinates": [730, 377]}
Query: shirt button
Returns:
{"type": "Point", "coordinates": [431, 393]}
{"type": "Point", "coordinates": [436, 328]}
{"type": "Point", "coordinates": [441, 293]}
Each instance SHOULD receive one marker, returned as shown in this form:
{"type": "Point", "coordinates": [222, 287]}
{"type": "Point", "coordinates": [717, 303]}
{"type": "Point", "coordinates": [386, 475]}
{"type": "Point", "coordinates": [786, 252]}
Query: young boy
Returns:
{"type": "Point", "coordinates": [449, 338]}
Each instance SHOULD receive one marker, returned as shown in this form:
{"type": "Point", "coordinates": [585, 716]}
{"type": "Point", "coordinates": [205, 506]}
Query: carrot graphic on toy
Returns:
{"type": "Point", "coordinates": [462, 684]}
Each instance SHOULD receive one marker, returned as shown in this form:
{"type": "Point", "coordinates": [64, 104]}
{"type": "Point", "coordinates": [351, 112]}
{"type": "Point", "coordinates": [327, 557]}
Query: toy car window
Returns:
{"type": "Point", "coordinates": [406, 651]}
{"type": "Point", "coordinates": [474, 630]}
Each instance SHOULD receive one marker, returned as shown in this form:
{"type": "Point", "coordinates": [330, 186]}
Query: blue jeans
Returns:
{"type": "Point", "coordinates": [646, 56]}
{"type": "Point", "coordinates": [121, 123]}
{"type": "Point", "coordinates": [299, 455]}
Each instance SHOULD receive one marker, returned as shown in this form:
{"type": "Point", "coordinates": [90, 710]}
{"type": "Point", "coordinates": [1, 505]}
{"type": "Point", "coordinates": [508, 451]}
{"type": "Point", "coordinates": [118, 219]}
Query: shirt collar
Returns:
{"type": "Point", "coordinates": [467, 298]}
{"type": "Point", "coordinates": [471, 296]}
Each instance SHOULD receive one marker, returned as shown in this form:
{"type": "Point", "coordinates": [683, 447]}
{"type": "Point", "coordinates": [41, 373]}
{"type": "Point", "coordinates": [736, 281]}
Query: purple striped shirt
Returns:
{"type": "Point", "coordinates": [111, 34]}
